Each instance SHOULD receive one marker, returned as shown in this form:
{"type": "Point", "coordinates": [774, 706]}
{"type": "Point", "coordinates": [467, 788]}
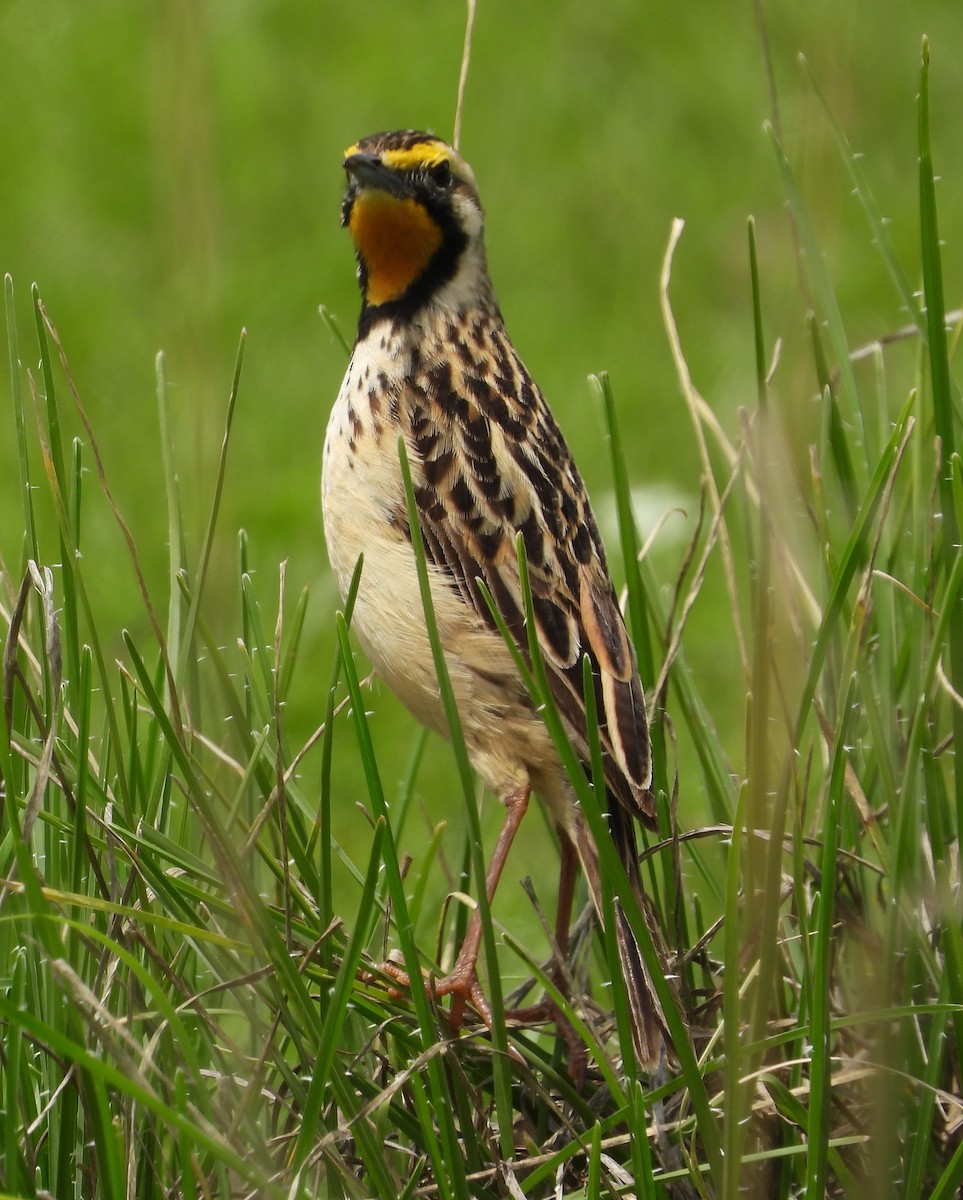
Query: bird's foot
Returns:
{"type": "Point", "coordinates": [461, 984]}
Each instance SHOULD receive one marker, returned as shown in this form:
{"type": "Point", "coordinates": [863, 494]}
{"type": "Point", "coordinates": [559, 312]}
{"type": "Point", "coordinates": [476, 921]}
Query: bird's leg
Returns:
{"type": "Point", "coordinates": [462, 982]}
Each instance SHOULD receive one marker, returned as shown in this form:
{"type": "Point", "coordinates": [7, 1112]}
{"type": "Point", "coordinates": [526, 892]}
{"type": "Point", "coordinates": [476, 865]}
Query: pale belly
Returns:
{"type": "Point", "coordinates": [363, 504]}
{"type": "Point", "coordinates": [359, 494]}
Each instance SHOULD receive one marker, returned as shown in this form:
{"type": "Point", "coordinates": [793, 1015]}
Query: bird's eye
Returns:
{"type": "Point", "coordinates": [441, 173]}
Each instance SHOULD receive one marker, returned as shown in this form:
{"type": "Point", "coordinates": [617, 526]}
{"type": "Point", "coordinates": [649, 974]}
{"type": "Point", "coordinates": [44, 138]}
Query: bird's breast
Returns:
{"type": "Point", "coordinates": [365, 513]}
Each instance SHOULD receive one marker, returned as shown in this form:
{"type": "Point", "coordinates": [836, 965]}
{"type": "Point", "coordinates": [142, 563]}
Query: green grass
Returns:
{"type": "Point", "coordinates": [195, 882]}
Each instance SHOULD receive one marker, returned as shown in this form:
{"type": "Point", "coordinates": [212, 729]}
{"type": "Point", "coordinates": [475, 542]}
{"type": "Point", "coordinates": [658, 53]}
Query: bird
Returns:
{"type": "Point", "coordinates": [434, 364]}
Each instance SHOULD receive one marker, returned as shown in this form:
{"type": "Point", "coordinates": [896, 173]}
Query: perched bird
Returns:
{"type": "Point", "coordinates": [433, 362]}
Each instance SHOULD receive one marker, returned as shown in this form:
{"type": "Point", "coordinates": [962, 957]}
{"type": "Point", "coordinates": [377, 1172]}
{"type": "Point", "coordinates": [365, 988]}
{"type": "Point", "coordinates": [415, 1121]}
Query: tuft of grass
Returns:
{"type": "Point", "coordinates": [189, 998]}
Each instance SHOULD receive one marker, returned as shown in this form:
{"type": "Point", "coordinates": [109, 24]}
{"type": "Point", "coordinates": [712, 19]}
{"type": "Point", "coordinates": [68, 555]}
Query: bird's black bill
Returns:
{"type": "Point", "coordinates": [367, 170]}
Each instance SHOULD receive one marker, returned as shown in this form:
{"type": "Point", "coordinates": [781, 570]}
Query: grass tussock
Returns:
{"type": "Point", "coordinates": [188, 1003]}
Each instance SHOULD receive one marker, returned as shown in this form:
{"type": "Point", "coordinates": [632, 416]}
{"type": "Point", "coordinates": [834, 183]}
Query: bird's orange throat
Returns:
{"type": "Point", "coordinates": [396, 238]}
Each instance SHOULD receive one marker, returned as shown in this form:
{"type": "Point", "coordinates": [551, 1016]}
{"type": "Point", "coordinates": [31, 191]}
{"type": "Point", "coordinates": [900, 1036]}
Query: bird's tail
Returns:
{"type": "Point", "coordinates": [650, 1033]}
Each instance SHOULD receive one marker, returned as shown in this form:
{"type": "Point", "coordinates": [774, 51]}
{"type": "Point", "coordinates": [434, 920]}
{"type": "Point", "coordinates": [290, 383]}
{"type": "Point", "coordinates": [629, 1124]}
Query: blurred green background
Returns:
{"type": "Point", "coordinates": [171, 173]}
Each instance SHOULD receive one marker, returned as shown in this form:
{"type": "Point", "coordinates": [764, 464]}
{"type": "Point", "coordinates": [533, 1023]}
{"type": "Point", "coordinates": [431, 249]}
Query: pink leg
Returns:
{"type": "Point", "coordinates": [462, 983]}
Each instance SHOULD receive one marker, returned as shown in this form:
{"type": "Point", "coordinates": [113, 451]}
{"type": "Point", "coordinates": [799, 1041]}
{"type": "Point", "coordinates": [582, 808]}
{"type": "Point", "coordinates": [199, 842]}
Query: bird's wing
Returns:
{"type": "Point", "coordinates": [490, 468]}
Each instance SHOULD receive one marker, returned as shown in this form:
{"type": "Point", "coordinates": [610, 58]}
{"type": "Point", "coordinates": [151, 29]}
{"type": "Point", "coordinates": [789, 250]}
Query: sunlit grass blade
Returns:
{"type": "Point", "coordinates": [334, 328]}
{"type": "Point", "coordinates": [620, 999]}
{"type": "Point", "coordinates": [70, 519]}
{"type": "Point", "coordinates": [638, 625]}
{"type": "Point", "coordinates": [31, 548]}
{"type": "Point", "coordinates": [174, 530]}
{"type": "Point", "coordinates": [199, 578]}
{"type": "Point", "coordinates": [933, 292]}
{"type": "Point", "coordinates": [55, 436]}
{"type": "Point", "coordinates": [321, 835]}
{"type": "Point", "coordinates": [945, 395]}
{"type": "Point", "coordinates": [853, 558]}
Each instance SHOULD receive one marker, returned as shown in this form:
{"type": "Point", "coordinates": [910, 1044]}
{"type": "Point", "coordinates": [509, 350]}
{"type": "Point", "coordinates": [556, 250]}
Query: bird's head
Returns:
{"type": "Point", "coordinates": [413, 210]}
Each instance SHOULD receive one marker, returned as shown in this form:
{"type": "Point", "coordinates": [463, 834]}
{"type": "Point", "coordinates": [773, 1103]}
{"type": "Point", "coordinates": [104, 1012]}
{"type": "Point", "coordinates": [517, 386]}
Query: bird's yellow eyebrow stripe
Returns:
{"type": "Point", "coordinates": [424, 154]}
